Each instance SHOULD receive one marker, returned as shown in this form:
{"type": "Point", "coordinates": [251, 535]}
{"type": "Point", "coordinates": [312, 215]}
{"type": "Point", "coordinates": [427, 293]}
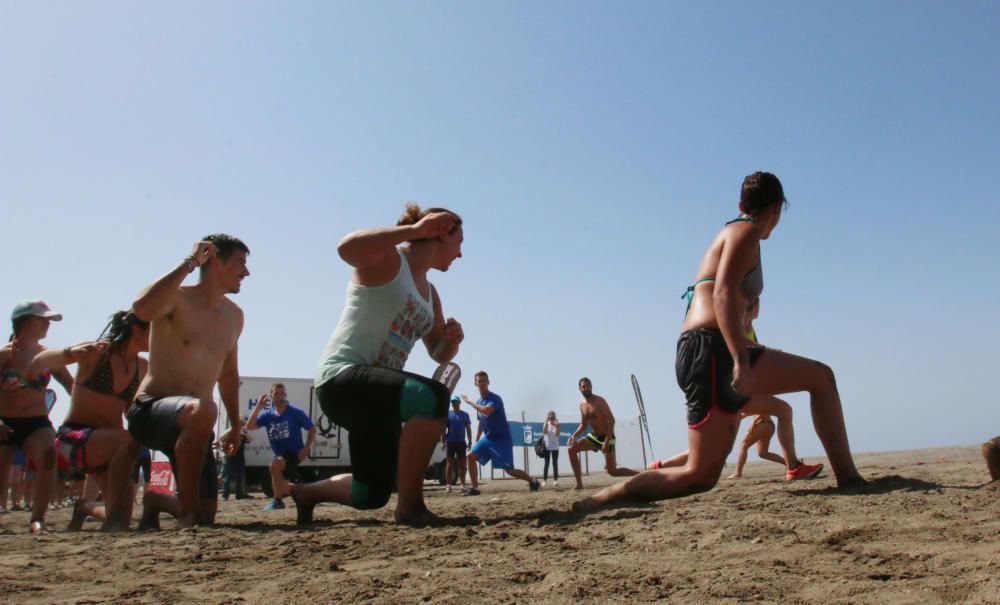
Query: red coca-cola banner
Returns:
{"type": "Point", "coordinates": [161, 479]}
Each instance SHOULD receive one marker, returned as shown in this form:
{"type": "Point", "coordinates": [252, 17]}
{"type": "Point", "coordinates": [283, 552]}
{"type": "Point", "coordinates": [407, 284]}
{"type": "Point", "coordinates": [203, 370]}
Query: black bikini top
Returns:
{"type": "Point", "coordinates": [102, 381]}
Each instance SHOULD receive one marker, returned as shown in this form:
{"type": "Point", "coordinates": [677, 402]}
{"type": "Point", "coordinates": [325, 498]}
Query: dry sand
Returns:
{"type": "Point", "coordinates": [927, 531]}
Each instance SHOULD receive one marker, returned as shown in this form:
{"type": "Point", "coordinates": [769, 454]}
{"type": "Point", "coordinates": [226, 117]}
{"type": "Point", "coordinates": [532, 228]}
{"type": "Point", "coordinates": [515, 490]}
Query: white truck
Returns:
{"type": "Point", "coordinates": [329, 454]}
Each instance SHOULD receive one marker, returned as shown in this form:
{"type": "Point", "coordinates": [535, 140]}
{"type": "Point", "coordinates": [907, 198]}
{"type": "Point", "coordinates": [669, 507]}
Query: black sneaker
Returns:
{"type": "Point", "coordinates": [533, 485]}
{"type": "Point", "coordinates": [471, 492]}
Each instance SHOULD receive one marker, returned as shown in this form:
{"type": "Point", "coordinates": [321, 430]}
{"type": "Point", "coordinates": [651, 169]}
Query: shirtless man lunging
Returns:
{"type": "Point", "coordinates": [594, 410]}
{"type": "Point", "coordinates": [192, 346]}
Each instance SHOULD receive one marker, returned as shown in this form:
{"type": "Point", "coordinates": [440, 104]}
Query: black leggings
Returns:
{"type": "Point", "coordinates": [372, 403]}
{"type": "Point", "coordinates": [552, 455]}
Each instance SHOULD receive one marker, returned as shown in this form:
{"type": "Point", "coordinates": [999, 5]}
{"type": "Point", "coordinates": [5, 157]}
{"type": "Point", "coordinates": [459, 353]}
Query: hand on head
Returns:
{"type": "Point", "coordinates": [203, 251]}
{"type": "Point", "coordinates": [435, 223]}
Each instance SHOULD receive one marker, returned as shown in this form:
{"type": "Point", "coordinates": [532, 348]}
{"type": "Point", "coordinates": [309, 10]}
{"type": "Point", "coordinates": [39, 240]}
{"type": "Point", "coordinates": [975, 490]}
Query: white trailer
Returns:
{"type": "Point", "coordinates": [329, 454]}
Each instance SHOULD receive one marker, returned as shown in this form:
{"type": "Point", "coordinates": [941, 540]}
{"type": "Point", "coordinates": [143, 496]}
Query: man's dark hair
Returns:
{"type": "Point", "coordinates": [225, 245]}
{"type": "Point", "coordinates": [582, 380]}
{"type": "Point", "coordinates": [276, 385]}
{"type": "Point", "coordinates": [481, 373]}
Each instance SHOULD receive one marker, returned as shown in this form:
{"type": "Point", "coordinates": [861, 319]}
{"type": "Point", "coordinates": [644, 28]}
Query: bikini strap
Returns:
{"type": "Point", "coordinates": [689, 293]}
{"type": "Point", "coordinates": [741, 219]}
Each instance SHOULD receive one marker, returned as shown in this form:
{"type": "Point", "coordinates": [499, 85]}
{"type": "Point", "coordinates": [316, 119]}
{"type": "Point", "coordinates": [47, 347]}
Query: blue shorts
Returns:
{"type": "Point", "coordinates": [499, 453]}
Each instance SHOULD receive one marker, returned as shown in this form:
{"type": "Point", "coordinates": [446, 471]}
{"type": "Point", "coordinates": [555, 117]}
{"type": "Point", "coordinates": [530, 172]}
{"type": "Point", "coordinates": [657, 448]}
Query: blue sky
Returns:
{"type": "Point", "coordinates": [593, 151]}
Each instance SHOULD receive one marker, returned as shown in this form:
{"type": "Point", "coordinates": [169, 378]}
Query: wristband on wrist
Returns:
{"type": "Point", "coordinates": [67, 352]}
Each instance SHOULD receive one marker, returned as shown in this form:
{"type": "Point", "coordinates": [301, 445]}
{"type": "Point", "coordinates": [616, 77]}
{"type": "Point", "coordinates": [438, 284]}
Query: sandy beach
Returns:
{"type": "Point", "coordinates": [927, 531]}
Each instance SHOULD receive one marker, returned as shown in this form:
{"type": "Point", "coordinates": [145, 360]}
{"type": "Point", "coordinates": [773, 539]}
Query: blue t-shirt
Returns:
{"type": "Point", "coordinates": [495, 425]}
{"type": "Point", "coordinates": [457, 421]}
{"type": "Point", "coordinates": [285, 431]}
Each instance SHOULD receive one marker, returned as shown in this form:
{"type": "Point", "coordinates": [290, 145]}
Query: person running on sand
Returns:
{"type": "Point", "coordinates": [192, 346]}
{"type": "Point", "coordinates": [92, 438]}
{"type": "Point", "coordinates": [595, 411]}
{"type": "Point", "coordinates": [496, 446]}
{"type": "Point", "coordinates": [718, 372]}
{"type": "Point", "coordinates": [24, 414]}
{"type": "Point", "coordinates": [360, 383]}
{"type": "Point", "coordinates": [991, 453]}
{"type": "Point", "coordinates": [762, 407]}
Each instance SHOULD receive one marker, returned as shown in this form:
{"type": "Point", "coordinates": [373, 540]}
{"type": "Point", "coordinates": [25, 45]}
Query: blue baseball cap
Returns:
{"type": "Point", "coordinates": [456, 399]}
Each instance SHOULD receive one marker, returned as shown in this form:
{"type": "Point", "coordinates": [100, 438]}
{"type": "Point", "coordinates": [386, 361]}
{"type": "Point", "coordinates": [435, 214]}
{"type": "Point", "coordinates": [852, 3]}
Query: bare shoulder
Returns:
{"type": "Point", "coordinates": [185, 298]}
{"type": "Point", "coordinates": [601, 401]}
{"type": "Point", "coordinates": [233, 310]}
{"type": "Point", "coordinates": [740, 234]}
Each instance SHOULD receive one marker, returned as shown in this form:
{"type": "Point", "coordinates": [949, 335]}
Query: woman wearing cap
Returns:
{"type": "Point", "coordinates": [92, 438]}
{"type": "Point", "coordinates": [360, 383]}
{"type": "Point", "coordinates": [24, 416]}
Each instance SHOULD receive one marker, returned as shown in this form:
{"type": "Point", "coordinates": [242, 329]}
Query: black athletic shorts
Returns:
{"type": "Point", "coordinates": [153, 422]}
{"type": "Point", "coordinates": [705, 374]}
{"type": "Point", "coordinates": [291, 472]}
{"type": "Point", "coordinates": [367, 400]}
{"type": "Point", "coordinates": [456, 450]}
{"type": "Point", "coordinates": [22, 428]}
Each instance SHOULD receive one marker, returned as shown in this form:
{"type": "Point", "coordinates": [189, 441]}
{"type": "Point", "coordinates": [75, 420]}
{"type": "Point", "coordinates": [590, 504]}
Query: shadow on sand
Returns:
{"type": "Point", "coordinates": [879, 485]}
{"type": "Point", "coordinates": [552, 516]}
{"type": "Point", "coordinates": [548, 516]}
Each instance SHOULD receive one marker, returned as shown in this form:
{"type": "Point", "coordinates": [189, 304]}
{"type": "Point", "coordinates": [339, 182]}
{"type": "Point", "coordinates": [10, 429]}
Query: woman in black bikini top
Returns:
{"type": "Point", "coordinates": [92, 437]}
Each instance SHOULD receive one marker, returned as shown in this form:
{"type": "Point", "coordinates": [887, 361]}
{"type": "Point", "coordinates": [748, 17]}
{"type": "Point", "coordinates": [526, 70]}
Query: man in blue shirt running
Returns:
{"type": "Point", "coordinates": [284, 423]}
{"type": "Point", "coordinates": [496, 445]}
{"type": "Point", "coordinates": [454, 441]}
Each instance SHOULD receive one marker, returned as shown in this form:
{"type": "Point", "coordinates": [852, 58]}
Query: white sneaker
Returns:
{"type": "Point", "coordinates": [555, 483]}
{"type": "Point", "coordinates": [447, 488]}
{"type": "Point", "coordinates": [545, 483]}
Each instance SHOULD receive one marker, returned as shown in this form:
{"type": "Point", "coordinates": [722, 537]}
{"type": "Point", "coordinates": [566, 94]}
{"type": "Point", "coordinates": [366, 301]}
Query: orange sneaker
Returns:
{"type": "Point", "coordinates": [803, 471]}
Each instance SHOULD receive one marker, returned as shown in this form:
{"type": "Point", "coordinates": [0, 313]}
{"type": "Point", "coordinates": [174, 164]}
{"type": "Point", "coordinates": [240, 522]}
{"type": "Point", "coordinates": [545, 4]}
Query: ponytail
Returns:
{"type": "Point", "coordinates": [119, 329]}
